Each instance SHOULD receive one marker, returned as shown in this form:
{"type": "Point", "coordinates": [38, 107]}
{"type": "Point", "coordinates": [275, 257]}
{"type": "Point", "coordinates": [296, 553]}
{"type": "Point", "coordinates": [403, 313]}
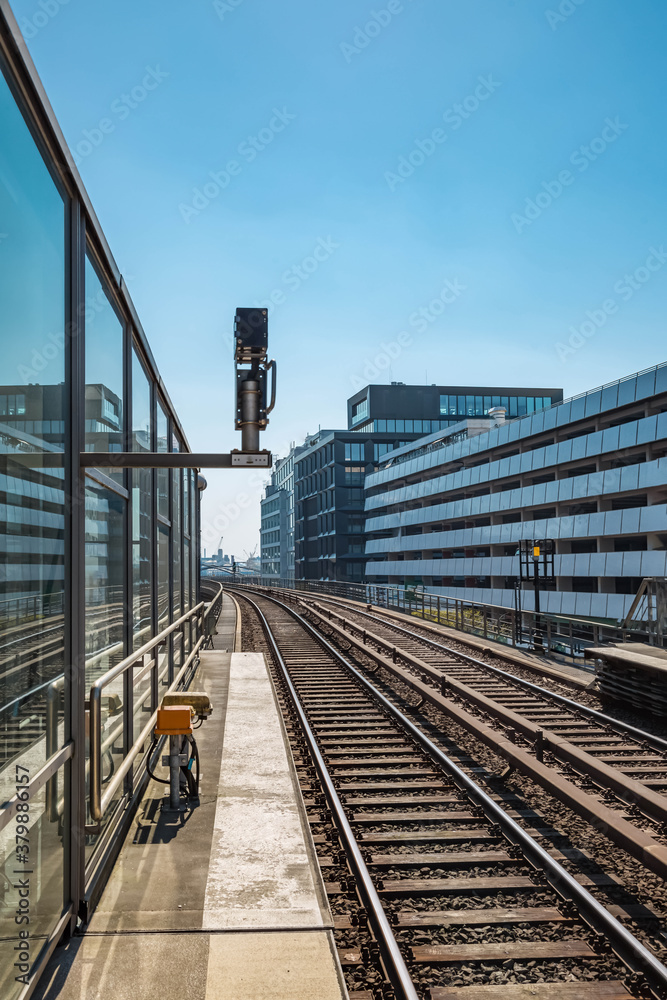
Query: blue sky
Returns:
{"type": "Point", "coordinates": [514, 149]}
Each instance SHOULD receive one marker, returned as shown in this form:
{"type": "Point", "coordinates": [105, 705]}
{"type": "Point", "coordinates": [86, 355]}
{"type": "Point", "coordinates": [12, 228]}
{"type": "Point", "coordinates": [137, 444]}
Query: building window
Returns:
{"type": "Point", "coordinates": [354, 452]}
{"type": "Point", "coordinates": [354, 475]}
{"type": "Point", "coordinates": [381, 448]}
{"type": "Point", "coordinates": [360, 410]}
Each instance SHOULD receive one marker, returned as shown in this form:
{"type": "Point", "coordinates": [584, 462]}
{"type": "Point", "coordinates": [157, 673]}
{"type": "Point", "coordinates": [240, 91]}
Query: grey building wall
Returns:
{"type": "Point", "coordinates": [277, 520]}
{"type": "Point", "coordinates": [331, 469]}
{"type": "Point", "coordinates": [429, 408]}
{"type": "Point", "coordinates": [272, 532]}
{"type": "Point", "coordinates": [591, 473]}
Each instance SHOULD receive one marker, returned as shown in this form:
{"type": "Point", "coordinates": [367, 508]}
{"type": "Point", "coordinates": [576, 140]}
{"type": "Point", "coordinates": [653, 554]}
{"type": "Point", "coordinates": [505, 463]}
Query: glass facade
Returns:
{"type": "Point", "coordinates": [94, 560]}
{"type": "Point", "coordinates": [405, 426]}
{"type": "Point", "coordinates": [462, 407]}
{"type": "Point", "coordinates": [32, 517]}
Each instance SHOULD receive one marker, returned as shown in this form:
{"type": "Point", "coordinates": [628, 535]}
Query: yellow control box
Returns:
{"type": "Point", "coordinates": [199, 701]}
{"type": "Point", "coordinates": [174, 720]}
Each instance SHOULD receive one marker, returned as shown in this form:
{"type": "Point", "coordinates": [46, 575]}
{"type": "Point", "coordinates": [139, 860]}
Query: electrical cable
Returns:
{"type": "Point", "coordinates": [194, 758]}
{"type": "Point", "coordinates": [148, 763]}
{"type": "Point", "coordinates": [191, 781]}
{"type": "Point", "coordinates": [112, 768]}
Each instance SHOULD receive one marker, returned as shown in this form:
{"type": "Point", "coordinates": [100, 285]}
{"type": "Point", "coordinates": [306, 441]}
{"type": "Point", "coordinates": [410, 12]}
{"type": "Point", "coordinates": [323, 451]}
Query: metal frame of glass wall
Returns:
{"type": "Point", "coordinates": [95, 562]}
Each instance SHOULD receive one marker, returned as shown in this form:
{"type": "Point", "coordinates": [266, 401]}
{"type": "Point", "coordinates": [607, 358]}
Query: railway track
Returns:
{"type": "Point", "coordinates": [609, 772]}
{"type": "Point", "coordinates": [435, 888]}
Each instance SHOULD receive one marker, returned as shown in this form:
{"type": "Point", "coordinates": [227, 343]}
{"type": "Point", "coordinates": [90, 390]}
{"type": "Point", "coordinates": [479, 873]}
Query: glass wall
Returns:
{"type": "Point", "coordinates": [32, 521]}
{"type": "Point", "coordinates": [93, 559]}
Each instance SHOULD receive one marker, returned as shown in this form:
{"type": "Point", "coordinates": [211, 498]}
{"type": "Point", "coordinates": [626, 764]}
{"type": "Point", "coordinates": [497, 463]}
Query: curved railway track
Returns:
{"type": "Point", "coordinates": [431, 879]}
{"type": "Point", "coordinates": [610, 772]}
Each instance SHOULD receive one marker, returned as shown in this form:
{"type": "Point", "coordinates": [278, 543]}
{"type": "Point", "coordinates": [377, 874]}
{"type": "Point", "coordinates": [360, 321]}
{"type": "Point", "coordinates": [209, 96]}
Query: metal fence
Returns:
{"type": "Point", "coordinates": [554, 634]}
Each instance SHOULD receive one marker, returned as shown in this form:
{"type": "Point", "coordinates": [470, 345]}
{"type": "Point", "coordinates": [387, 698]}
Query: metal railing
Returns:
{"type": "Point", "coordinates": [99, 801]}
{"type": "Point", "coordinates": [559, 635]}
{"type": "Point", "coordinates": [100, 741]}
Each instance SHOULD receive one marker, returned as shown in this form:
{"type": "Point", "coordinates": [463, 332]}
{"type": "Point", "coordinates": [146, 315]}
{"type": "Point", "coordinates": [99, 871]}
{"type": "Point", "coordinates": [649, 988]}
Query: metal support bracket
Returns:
{"type": "Point", "coordinates": [174, 460]}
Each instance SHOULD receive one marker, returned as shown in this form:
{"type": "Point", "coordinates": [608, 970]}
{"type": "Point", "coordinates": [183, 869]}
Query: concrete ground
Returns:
{"type": "Point", "coordinates": [224, 902]}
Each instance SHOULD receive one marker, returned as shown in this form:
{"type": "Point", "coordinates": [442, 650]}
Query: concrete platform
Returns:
{"type": "Point", "coordinates": [225, 901]}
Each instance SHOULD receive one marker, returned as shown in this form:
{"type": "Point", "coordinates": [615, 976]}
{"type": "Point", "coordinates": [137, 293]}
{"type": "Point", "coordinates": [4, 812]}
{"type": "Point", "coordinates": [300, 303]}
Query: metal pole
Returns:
{"type": "Point", "coordinates": [538, 636]}
{"type": "Point", "coordinates": [174, 772]}
{"type": "Point", "coordinates": [250, 405]}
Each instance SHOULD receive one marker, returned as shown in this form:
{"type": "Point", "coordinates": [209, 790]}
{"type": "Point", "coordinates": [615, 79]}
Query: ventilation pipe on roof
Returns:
{"type": "Point", "coordinates": [497, 414]}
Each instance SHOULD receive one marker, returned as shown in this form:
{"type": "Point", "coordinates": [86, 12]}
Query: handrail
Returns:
{"type": "Point", "coordinates": [99, 803]}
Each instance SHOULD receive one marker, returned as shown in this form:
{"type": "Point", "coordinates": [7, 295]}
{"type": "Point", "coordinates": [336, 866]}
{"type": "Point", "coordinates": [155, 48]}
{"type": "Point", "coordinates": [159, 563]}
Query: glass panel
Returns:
{"type": "Point", "coordinates": [163, 576]}
{"type": "Point", "coordinates": [187, 477]}
{"type": "Point", "coordinates": [444, 404]}
{"type": "Point", "coordinates": [186, 587]}
{"type": "Point", "coordinates": [470, 406]}
{"type": "Point", "coordinates": [32, 501]}
{"type": "Point", "coordinates": [105, 549]}
{"type": "Point", "coordinates": [142, 495]}
{"type": "Point", "coordinates": [513, 407]}
{"type": "Point", "coordinates": [661, 379]}
{"type": "Point", "coordinates": [609, 397]}
{"type": "Point", "coordinates": [177, 539]}
{"type": "Point", "coordinates": [522, 406]}
{"type": "Point", "coordinates": [162, 474]}
{"type": "Point", "coordinates": [32, 517]}
{"type": "Point", "coordinates": [646, 384]}
{"type": "Point", "coordinates": [593, 400]}
{"type": "Point", "coordinates": [479, 406]}
{"type": "Point", "coordinates": [104, 370]}
{"type": "Point", "coordinates": [530, 404]}
{"type": "Point", "coordinates": [487, 403]}
{"type": "Point", "coordinates": [141, 407]}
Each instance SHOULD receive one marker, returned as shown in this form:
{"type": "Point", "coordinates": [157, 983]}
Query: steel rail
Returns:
{"type": "Point", "coordinates": [591, 713]}
{"type": "Point", "coordinates": [394, 962]}
{"type": "Point", "coordinates": [626, 946]}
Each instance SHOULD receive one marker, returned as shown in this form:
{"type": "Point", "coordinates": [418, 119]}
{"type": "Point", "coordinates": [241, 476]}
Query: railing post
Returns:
{"type": "Point", "coordinates": [438, 604]}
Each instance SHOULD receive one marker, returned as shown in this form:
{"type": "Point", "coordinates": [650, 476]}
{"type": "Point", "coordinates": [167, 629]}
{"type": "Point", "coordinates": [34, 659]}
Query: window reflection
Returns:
{"type": "Point", "coordinates": [142, 502]}
{"type": "Point", "coordinates": [105, 608]}
{"type": "Point", "coordinates": [162, 474]}
{"type": "Point", "coordinates": [104, 369]}
{"type": "Point", "coordinates": [32, 500]}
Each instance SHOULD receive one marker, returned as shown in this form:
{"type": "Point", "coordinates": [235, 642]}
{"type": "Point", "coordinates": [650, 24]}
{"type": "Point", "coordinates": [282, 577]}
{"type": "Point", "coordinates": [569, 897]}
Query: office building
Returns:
{"type": "Point", "coordinates": [331, 471]}
{"type": "Point", "coordinates": [447, 512]}
{"type": "Point", "coordinates": [277, 520]}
